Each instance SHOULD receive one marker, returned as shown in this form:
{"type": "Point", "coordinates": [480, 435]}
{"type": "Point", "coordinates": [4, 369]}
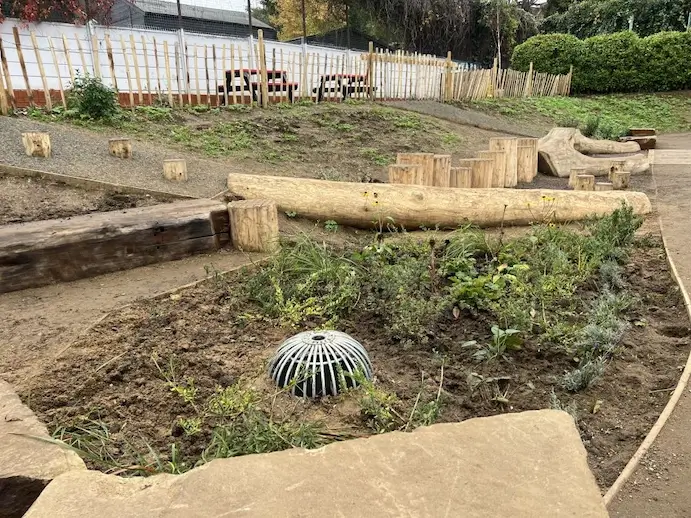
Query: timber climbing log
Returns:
{"type": "Point", "coordinates": [564, 149]}
{"type": "Point", "coordinates": [367, 205]}
{"type": "Point", "coordinates": [37, 144]}
{"type": "Point", "coordinates": [254, 225]}
{"type": "Point", "coordinates": [43, 252]}
{"type": "Point", "coordinates": [120, 147]}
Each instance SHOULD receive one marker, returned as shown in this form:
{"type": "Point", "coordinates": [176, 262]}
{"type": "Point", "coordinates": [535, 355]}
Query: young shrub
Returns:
{"type": "Point", "coordinates": [584, 376]}
{"type": "Point", "coordinates": [92, 99]}
{"type": "Point", "coordinates": [609, 64]}
{"type": "Point", "coordinates": [665, 62]}
{"type": "Point", "coordinates": [551, 53]}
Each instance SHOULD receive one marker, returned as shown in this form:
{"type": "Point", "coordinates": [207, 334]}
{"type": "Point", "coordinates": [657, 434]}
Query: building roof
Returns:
{"type": "Point", "coordinates": [201, 13]}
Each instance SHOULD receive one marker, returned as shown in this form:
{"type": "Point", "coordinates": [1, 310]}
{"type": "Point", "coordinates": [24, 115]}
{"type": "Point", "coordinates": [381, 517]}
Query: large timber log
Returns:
{"type": "Point", "coordinates": [564, 149]}
{"type": "Point", "coordinates": [368, 205]}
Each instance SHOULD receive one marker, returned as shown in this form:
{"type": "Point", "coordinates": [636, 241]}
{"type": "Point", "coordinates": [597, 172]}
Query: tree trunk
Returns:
{"type": "Point", "coordinates": [367, 205]}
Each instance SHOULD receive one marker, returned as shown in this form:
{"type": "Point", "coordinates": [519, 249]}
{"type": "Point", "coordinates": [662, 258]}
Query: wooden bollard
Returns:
{"type": "Point", "coordinates": [37, 144]}
{"type": "Point", "coordinates": [617, 166]}
{"type": "Point", "coordinates": [175, 170]}
{"type": "Point", "coordinates": [254, 225]}
{"type": "Point", "coordinates": [498, 166]}
{"type": "Point", "coordinates": [524, 164]}
{"type": "Point", "coordinates": [120, 147]}
{"type": "Point", "coordinates": [531, 169]}
{"type": "Point", "coordinates": [621, 180]}
{"type": "Point", "coordinates": [426, 160]}
{"type": "Point", "coordinates": [408, 174]}
{"type": "Point", "coordinates": [460, 177]}
{"type": "Point", "coordinates": [442, 170]}
{"type": "Point", "coordinates": [480, 172]}
{"type": "Point", "coordinates": [574, 173]}
{"type": "Point", "coordinates": [603, 186]}
{"type": "Point", "coordinates": [585, 182]}
{"type": "Point", "coordinates": [510, 147]}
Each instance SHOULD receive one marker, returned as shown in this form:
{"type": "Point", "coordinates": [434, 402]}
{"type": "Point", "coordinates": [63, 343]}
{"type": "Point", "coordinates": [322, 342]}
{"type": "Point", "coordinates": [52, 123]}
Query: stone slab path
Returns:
{"type": "Point", "coordinates": [661, 486]}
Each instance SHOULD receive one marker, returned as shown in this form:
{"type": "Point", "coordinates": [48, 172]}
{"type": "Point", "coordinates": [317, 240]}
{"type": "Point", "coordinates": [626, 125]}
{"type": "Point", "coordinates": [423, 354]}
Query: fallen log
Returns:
{"type": "Point", "coordinates": [367, 205]}
{"type": "Point", "coordinates": [564, 149]}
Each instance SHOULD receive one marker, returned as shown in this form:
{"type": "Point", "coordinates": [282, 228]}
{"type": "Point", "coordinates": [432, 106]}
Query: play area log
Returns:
{"type": "Point", "coordinates": [368, 205]}
{"type": "Point", "coordinates": [37, 144]}
{"type": "Point", "coordinates": [60, 250]}
{"type": "Point", "coordinates": [254, 225]}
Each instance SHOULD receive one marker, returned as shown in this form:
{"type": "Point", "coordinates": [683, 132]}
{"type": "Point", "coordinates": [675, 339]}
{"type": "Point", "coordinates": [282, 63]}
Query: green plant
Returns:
{"type": "Point", "coordinates": [584, 376]}
{"type": "Point", "coordinates": [571, 408]}
{"type": "Point", "coordinates": [374, 156]}
{"type": "Point", "coordinates": [331, 226]}
{"type": "Point", "coordinates": [503, 340]}
{"type": "Point", "coordinates": [92, 99]}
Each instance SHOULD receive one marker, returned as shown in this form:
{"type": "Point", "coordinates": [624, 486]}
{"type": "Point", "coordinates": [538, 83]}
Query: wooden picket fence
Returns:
{"type": "Point", "coordinates": [148, 67]}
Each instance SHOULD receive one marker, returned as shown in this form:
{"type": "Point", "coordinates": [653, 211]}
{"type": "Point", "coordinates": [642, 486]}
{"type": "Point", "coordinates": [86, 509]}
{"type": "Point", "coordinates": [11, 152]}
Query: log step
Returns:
{"type": "Point", "coordinates": [43, 252]}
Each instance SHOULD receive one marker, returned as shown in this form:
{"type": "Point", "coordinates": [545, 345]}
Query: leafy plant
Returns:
{"type": "Point", "coordinates": [92, 99]}
{"type": "Point", "coordinates": [331, 226]}
{"type": "Point", "coordinates": [584, 376]}
{"type": "Point", "coordinates": [503, 340]}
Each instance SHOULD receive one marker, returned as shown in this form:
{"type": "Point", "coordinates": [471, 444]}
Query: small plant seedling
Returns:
{"type": "Point", "coordinates": [331, 226]}
{"type": "Point", "coordinates": [503, 340]}
{"type": "Point", "coordinates": [291, 214]}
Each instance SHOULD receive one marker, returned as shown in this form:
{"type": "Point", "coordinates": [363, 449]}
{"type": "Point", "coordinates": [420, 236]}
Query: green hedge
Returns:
{"type": "Point", "coordinates": [619, 62]}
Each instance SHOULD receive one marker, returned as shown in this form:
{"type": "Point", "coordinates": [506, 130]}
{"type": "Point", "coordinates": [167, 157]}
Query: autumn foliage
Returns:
{"type": "Point", "coordinates": [77, 11]}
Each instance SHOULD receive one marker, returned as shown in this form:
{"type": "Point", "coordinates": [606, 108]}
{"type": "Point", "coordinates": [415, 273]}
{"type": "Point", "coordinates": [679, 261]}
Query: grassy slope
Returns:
{"type": "Point", "coordinates": [351, 141]}
{"type": "Point", "coordinates": [668, 113]}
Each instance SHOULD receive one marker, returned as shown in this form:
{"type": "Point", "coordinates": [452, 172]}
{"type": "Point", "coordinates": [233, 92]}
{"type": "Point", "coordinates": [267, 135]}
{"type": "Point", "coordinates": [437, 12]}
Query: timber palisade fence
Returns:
{"type": "Point", "coordinates": [178, 69]}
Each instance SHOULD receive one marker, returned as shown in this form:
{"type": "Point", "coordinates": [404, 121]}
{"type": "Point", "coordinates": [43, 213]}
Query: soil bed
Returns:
{"type": "Point", "coordinates": [31, 199]}
{"type": "Point", "coordinates": [130, 384]}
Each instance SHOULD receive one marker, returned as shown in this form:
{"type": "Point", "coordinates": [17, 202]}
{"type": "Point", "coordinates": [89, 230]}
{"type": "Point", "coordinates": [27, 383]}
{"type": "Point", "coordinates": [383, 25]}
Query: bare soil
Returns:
{"type": "Point", "coordinates": [109, 374]}
{"type": "Point", "coordinates": [32, 199]}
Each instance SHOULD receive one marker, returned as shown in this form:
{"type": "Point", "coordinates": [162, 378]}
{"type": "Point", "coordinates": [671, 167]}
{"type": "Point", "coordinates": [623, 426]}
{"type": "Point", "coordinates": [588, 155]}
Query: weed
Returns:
{"type": "Point", "coordinates": [199, 108]}
{"type": "Point", "coordinates": [571, 408]}
{"type": "Point", "coordinates": [291, 214]}
{"type": "Point", "coordinates": [92, 99]}
{"type": "Point", "coordinates": [155, 113]}
{"type": "Point", "coordinates": [591, 125]}
{"type": "Point", "coordinates": [503, 340]}
{"type": "Point", "coordinates": [374, 156]}
{"type": "Point", "coordinates": [190, 426]}
{"type": "Point", "coordinates": [450, 139]}
{"type": "Point", "coordinates": [331, 226]}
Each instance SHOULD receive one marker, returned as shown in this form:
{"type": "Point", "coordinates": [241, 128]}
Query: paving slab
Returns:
{"type": "Point", "coordinates": [529, 464]}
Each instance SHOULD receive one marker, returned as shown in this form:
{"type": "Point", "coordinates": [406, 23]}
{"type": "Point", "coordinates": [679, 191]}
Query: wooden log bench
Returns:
{"type": "Point", "coordinates": [43, 252]}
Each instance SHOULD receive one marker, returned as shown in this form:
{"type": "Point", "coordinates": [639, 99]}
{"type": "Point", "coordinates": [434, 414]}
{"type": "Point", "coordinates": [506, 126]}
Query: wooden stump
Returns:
{"type": "Point", "coordinates": [574, 174]}
{"type": "Point", "coordinates": [585, 182]}
{"type": "Point", "coordinates": [120, 147]}
{"type": "Point", "coordinates": [407, 174]}
{"type": "Point", "coordinates": [531, 169]}
{"type": "Point", "coordinates": [480, 172]}
{"type": "Point", "coordinates": [254, 225]}
{"type": "Point", "coordinates": [498, 167]}
{"type": "Point", "coordinates": [524, 164]}
{"type": "Point", "coordinates": [426, 160]}
{"type": "Point", "coordinates": [37, 144]}
{"type": "Point", "coordinates": [175, 170]}
{"type": "Point", "coordinates": [603, 186]}
{"type": "Point", "coordinates": [510, 147]}
{"type": "Point", "coordinates": [442, 170]}
{"type": "Point", "coordinates": [460, 177]}
{"type": "Point", "coordinates": [621, 180]}
{"type": "Point", "coordinates": [617, 166]}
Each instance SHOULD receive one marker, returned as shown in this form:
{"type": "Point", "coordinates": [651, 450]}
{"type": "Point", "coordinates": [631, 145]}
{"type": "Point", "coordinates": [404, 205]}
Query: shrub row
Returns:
{"type": "Point", "coordinates": [619, 62]}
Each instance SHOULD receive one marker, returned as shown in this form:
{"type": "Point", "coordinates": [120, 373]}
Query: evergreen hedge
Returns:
{"type": "Point", "coordinates": [619, 62]}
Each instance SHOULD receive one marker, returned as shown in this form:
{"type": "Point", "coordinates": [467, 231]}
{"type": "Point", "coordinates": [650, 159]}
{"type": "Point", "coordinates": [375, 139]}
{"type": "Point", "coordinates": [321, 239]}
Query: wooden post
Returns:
{"type": "Point", "coordinates": [8, 78]}
{"type": "Point", "coordinates": [37, 144]}
{"type": "Point", "coordinates": [137, 75]}
{"type": "Point", "coordinates": [425, 160]}
{"type": "Point", "coordinates": [498, 167]}
{"type": "Point", "coordinates": [524, 163]}
{"type": "Point", "coordinates": [448, 79]}
{"type": "Point", "coordinates": [166, 57]}
{"type": "Point", "coordinates": [617, 166]}
{"type": "Point", "coordinates": [481, 172]}
{"type": "Point", "coordinates": [528, 90]}
{"type": "Point", "coordinates": [510, 147]}
{"type": "Point", "coordinates": [530, 168]}
{"type": "Point", "coordinates": [370, 71]}
{"type": "Point", "coordinates": [621, 180]}
{"type": "Point", "coordinates": [262, 67]}
{"type": "Point", "coordinates": [460, 177]}
{"type": "Point", "coordinates": [4, 109]}
{"type": "Point", "coordinates": [254, 225]}
{"type": "Point", "coordinates": [603, 186]}
{"type": "Point", "coordinates": [120, 147]}
{"type": "Point", "coordinates": [442, 170]}
{"type": "Point", "coordinates": [408, 174]}
{"type": "Point", "coordinates": [175, 170]}
{"type": "Point", "coordinates": [41, 71]}
{"type": "Point", "coordinates": [57, 72]}
{"type": "Point", "coordinates": [22, 64]}
{"type": "Point", "coordinates": [585, 182]}
{"type": "Point", "coordinates": [574, 174]}
{"type": "Point", "coordinates": [111, 62]}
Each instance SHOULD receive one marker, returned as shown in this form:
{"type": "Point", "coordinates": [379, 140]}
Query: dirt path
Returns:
{"type": "Point", "coordinates": [38, 324]}
{"type": "Point", "coordinates": [467, 117]}
{"type": "Point", "coordinates": [660, 486]}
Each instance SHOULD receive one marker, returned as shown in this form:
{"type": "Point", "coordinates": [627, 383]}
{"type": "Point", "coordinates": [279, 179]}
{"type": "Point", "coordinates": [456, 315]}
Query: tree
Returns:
{"type": "Point", "coordinates": [77, 11]}
{"type": "Point", "coordinates": [321, 16]}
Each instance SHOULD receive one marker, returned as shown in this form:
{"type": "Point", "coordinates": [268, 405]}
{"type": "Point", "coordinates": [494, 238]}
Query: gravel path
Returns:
{"type": "Point", "coordinates": [74, 150]}
{"type": "Point", "coordinates": [466, 117]}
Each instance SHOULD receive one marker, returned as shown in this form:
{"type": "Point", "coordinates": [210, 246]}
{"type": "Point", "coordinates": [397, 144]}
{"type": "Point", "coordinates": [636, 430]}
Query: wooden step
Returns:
{"type": "Point", "coordinates": [43, 252]}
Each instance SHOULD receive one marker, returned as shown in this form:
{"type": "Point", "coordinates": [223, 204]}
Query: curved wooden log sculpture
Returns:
{"type": "Point", "coordinates": [564, 149]}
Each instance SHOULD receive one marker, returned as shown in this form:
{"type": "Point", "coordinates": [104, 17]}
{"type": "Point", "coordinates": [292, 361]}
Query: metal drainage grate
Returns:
{"type": "Point", "coordinates": [318, 359]}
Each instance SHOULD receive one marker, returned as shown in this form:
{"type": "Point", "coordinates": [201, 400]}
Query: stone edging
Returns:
{"type": "Point", "coordinates": [635, 460]}
{"type": "Point", "coordinates": [86, 183]}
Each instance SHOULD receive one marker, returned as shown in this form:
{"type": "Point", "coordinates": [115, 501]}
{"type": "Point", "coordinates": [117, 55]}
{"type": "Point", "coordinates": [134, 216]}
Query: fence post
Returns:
{"type": "Point", "coordinates": [182, 45]}
{"type": "Point", "coordinates": [370, 71]}
{"type": "Point", "coordinates": [493, 77]}
{"type": "Point", "coordinates": [3, 97]}
{"type": "Point", "coordinates": [93, 46]}
{"type": "Point", "coordinates": [262, 68]}
{"type": "Point", "coordinates": [448, 79]}
{"type": "Point", "coordinates": [528, 91]}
